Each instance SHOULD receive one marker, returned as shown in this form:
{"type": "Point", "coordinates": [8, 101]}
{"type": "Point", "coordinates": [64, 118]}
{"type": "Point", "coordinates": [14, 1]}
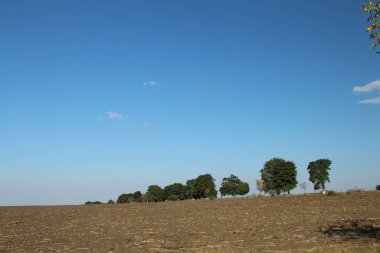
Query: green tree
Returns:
{"type": "Point", "coordinates": [319, 173]}
{"type": "Point", "coordinates": [190, 190]}
{"type": "Point", "coordinates": [204, 187]}
{"type": "Point", "coordinates": [243, 188]}
{"type": "Point", "coordinates": [123, 198]}
{"type": "Point", "coordinates": [155, 193]}
{"type": "Point", "coordinates": [137, 196]}
{"type": "Point", "coordinates": [279, 176]}
{"type": "Point", "coordinates": [230, 185]}
{"type": "Point", "coordinates": [175, 191]}
{"type": "Point", "coordinates": [373, 20]}
{"type": "Point", "coordinates": [129, 197]}
{"type": "Point", "coordinates": [111, 201]}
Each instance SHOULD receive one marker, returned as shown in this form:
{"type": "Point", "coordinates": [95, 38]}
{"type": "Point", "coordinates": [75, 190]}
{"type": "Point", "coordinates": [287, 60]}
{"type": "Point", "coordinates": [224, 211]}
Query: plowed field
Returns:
{"type": "Point", "coordinates": [252, 224]}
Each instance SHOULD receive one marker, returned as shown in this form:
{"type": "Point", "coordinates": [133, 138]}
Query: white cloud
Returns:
{"type": "Point", "coordinates": [116, 116]}
{"type": "Point", "coordinates": [375, 85]}
{"type": "Point", "coordinates": [150, 83]}
{"type": "Point", "coordinates": [370, 101]}
{"type": "Point", "coordinates": [148, 124]}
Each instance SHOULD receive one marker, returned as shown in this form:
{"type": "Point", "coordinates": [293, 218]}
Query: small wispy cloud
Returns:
{"type": "Point", "coordinates": [370, 101]}
{"type": "Point", "coordinates": [116, 116]}
{"type": "Point", "coordinates": [148, 124]}
{"type": "Point", "coordinates": [150, 83]}
{"type": "Point", "coordinates": [375, 85]}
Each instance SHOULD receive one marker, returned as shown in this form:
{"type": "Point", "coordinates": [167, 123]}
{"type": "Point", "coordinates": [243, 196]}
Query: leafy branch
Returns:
{"type": "Point", "coordinates": [373, 27]}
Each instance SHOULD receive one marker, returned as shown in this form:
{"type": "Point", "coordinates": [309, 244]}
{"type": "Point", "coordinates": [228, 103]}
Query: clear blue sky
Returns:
{"type": "Point", "coordinates": [98, 98]}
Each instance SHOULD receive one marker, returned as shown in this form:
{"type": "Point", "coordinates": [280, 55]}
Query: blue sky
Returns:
{"type": "Point", "coordinates": [98, 98]}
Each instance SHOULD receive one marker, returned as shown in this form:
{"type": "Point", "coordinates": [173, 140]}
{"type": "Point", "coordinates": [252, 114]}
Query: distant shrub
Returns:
{"type": "Point", "coordinates": [93, 203]}
{"type": "Point", "coordinates": [111, 201]}
{"type": "Point", "coordinates": [350, 191]}
{"type": "Point", "coordinates": [378, 187]}
{"type": "Point", "coordinates": [331, 193]}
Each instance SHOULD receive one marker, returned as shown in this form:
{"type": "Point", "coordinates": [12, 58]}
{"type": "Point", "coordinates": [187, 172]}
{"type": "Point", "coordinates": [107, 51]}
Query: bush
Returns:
{"type": "Point", "coordinates": [331, 193]}
{"type": "Point", "coordinates": [93, 203]}
{"type": "Point", "coordinates": [111, 201]}
{"type": "Point", "coordinates": [378, 187]}
{"type": "Point", "coordinates": [349, 191]}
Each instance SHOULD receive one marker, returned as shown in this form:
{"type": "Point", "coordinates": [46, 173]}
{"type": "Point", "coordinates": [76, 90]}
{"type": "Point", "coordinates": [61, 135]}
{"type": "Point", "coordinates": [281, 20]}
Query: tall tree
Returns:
{"type": "Point", "coordinates": [233, 186]}
{"type": "Point", "coordinates": [279, 176]}
{"type": "Point", "coordinates": [373, 20]}
{"type": "Point", "coordinates": [230, 185]}
{"type": "Point", "coordinates": [319, 173]}
{"type": "Point", "coordinates": [205, 187]}
{"type": "Point", "coordinates": [155, 193]}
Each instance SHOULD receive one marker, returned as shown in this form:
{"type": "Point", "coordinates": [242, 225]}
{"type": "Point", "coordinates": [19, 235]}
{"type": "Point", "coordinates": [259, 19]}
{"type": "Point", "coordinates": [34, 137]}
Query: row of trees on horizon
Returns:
{"type": "Point", "coordinates": [278, 176]}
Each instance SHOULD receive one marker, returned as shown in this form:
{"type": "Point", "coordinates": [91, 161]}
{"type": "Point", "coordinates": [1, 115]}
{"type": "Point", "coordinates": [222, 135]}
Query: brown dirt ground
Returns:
{"type": "Point", "coordinates": [252, 224]}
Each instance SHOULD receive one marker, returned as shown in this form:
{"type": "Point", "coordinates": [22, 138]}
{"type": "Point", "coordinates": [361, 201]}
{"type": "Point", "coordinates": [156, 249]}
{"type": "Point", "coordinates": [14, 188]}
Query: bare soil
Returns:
{"type": "Point", "coordinates": [251, 224]}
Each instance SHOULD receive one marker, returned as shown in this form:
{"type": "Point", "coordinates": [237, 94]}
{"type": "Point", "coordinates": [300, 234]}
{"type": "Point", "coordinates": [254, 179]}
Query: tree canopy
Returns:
{"type": "Point", "coordinates": [233, 186]}
{"type": "Point", "coordinates": [229, 185]}
{"type": "Point", "coordinates": [125, 198]}
{"type": "Point", "coordinates": [279, 176]}
{"type": "Point", "coordinates": [204, 187]}
{"type": "Point", "coordinates": [155, 193]}
{"type": "Point", "coordinates": [190, 191]}
{"type": "Point", "coordinates": [175, 191]}
{"type": "Point", "coordinates": [129, 197]}
{"type": "Point", "coordinates": [137, 196]}
{"type": "Point", "coordinates": [319, 173]}
{"type": "Point", "coordinates": [373, 20]}
{"type": "Point", "coordinates": [243, 188]}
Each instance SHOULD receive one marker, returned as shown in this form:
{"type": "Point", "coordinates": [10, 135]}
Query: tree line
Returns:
{"type": "Point", "coordinates": [278, 176]}
{"type": "Point", "coordinates": [199, 188]}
